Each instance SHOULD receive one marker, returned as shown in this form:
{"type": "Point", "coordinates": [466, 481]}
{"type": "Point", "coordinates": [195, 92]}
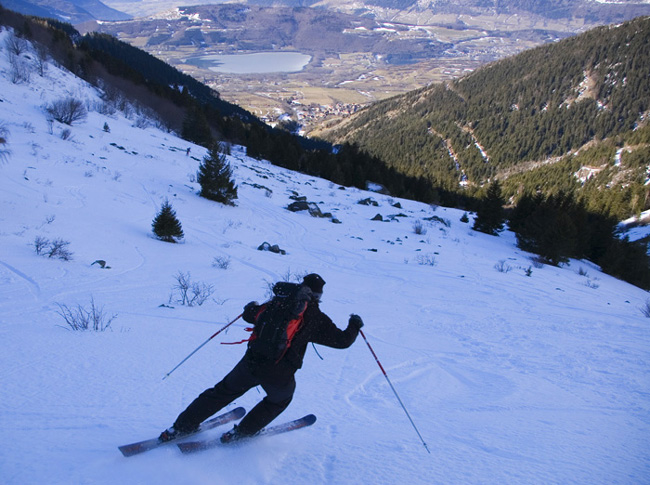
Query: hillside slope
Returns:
{"type": "Point", "coordinates": [73, 11]}
{"type": "Point", "coordinates": [510, 378]}
{"type": "Point", "coordinates": [516, 113]}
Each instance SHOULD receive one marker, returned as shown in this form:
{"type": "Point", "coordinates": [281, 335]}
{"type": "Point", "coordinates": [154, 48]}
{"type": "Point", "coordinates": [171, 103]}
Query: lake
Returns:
{"type": "Point", "coordinates": [256, 63]}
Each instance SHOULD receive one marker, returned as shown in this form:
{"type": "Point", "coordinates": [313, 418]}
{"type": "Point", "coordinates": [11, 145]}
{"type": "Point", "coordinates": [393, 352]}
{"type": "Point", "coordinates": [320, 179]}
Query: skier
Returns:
{"type": "Point", "coordinates": [275, 377]}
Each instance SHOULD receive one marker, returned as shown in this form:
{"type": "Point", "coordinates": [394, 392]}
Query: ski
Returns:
{"type": "Point", "coordinates": [146, 445]}
{"type": "Point", "coordinates": [194, 446]}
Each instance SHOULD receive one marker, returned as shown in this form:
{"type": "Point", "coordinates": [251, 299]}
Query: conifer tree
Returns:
{"type": "Point", "coordinates": [490, 215]}
{"type": "Point", "coordinates": [196, 128]}
{"type": "Point", "coordinates": [166, 226]}
{"type": "Point", "coordinates": [215, 177]}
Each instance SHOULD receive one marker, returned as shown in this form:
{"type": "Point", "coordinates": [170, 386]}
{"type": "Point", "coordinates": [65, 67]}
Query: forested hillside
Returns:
{"type": "Point", "coordinates": [74, 11]}
{"type": "Point", "coordinates": [184, 105]}
{"type": "Point", "coordinates": [545, 114]}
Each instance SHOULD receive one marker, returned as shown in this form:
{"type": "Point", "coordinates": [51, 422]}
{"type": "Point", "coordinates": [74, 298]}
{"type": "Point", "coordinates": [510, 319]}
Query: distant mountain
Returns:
{"type": "Point", "coordinates": [235, 28]}
{"type": "Point", "coordinates": [418, 11]}
{"type": "Point", "coordinates": [71, 11]}
{"type": "Point", "coordinates": [421, 11]}
{"type": "Point", "coordinates": [572, 116]}
{"type": "Point", "coordinates": [361, 51]}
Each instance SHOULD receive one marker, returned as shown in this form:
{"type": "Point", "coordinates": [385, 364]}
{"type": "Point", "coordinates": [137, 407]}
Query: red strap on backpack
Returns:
{"type": "Point", "coordinates": [248, 329]}
{"type": "Point", "coordinates": [252, 337]}
{"type": "Point", "coordinates": [292, 329]}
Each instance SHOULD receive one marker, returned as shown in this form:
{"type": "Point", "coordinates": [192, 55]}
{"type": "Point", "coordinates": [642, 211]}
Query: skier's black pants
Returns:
{"type": "Point", "coordinates": [278, 385]}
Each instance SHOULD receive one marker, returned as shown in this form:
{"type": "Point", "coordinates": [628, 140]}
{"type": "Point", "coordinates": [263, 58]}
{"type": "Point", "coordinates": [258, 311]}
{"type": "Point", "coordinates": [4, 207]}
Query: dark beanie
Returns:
{"type": "Point", "coordinates": [314, 282]}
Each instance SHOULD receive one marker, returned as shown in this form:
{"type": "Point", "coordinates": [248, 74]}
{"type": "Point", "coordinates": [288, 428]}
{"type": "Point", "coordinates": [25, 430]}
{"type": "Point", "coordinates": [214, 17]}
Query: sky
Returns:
{"type": "Point", "coordinates": [512, 373]}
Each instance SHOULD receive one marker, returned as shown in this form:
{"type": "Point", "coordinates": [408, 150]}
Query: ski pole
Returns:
{"type": "Point", "coordinates": [199, 347]}
{"type": "Point", "coordinates": [394, 391]}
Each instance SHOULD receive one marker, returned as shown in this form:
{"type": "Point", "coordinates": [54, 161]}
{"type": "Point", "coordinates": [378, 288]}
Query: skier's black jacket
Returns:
{"type": "Point", "coordinates": [317, 327]}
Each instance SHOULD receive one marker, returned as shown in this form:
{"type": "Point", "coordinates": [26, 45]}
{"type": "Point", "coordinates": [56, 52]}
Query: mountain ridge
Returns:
{"type": "Point", "coordinates": [541, 105]}
{"type": "Point", "coordinates": [72, 11]}
{"type": "Point", "coordinates": [375, 54]}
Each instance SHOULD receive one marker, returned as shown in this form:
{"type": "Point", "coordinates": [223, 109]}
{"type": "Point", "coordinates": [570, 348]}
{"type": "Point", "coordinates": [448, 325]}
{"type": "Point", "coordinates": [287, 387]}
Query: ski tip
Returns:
{"type": "Point", "coordinates": [310, 419]}
{"type": "Point", "coordinates": [129, 450]}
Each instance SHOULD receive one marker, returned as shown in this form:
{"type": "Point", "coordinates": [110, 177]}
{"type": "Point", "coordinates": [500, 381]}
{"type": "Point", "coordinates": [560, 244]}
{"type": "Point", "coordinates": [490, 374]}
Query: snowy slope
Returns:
{"type": "Point", "coordinates": [510, 378]}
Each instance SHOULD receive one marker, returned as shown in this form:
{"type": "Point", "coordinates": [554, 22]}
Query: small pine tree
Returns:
{"type": "Point", "coordinates": [490, 214]}
{"type": "Point", "coordinates": [166, 226]}
{"type": "Point", "coordinates": [215, 177]}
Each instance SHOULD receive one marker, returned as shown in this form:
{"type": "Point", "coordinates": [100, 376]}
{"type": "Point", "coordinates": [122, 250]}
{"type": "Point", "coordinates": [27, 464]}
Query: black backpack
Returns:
{"type": "Point", "coordinates": [278, 320]}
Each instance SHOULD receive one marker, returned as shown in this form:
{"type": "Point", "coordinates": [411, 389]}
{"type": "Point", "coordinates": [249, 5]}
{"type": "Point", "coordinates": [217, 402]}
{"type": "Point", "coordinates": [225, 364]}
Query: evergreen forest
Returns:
{"type": "Point", "coordinates": [533, 121]}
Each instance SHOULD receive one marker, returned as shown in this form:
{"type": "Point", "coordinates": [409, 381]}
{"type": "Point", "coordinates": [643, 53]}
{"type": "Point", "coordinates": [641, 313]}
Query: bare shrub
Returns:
{"type": "Point", "coordinates": [40, 244]}
{"type": "Point", "coordinates": [296, 276]}
{"type": "Point", "coordinates": [107, 109]}
{"type": "Point", "coordinates": [42, 56]}
{"type": "Point", "coordinates": [59, 249]}
{"type": "Point", "coordinates": [4, 151]}
{"type": "Point", "coordinates": [221, 262]}
{"type": "Point", "coordinates": [189, 293]}
{"type": "Point", "coordinates": [20, 65]}
{"type": "Point", "coordinates": [79, 318]}
{"type": "Point", "coordinates": [67, 110]}
{"type": "Point", "coordinates": [66, 134]}
{"type": "Point", "coordinates": [289, 275]}
{"type": "Point", "coordinates": [502, 266]}
{"type": "Point", "coordinates": [52, 249]}
{"type": "Point", "coordinates": [20, 72]}
{"type": "Point", "coordinates": [142, 122]}
{"type": "Point", "coordinates": [426, 259]}
{"type": "Point", "coordinates": [16, 45]}
{"type": "Point", "coordinates": [418, 228]}
{"type": "Point", "coordinates": [646, 309]}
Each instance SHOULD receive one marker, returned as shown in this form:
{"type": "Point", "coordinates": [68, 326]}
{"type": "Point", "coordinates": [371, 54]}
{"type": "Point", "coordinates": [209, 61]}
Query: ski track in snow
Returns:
{"type": "Point", "coordinates": [33, 286]}
{"type": "Point", "coordinates": [509, 378]}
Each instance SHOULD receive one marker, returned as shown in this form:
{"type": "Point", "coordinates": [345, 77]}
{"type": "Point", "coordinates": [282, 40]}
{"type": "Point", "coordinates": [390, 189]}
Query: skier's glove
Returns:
{"type": "Point", "coordinates": [250, 310]}
{"type": "Point", "coordinates": [250, 305]}
{"type": "Point", "coordinates": [355, 321]}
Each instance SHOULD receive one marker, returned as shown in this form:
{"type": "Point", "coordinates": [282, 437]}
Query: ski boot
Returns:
{"type": "Point", "coordinates": [235, 434]}
{"type": "Point", "coordinates": [172, 433]}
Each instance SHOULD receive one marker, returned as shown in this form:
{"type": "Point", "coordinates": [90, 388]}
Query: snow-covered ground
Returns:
{"type": "Point", "coordinates": [510, 378]}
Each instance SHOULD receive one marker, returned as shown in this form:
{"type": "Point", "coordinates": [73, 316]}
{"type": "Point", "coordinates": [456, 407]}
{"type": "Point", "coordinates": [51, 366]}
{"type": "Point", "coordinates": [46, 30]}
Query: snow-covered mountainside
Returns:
{"type": "Point", "coordinates": [513, 373]}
